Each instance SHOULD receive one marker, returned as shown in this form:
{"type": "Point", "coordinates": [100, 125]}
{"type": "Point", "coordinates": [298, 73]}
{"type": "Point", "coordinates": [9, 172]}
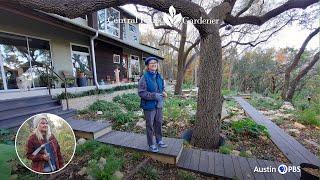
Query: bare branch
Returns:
{"type": "Point", "coordinates": [170, 45]}
{"type": "Point", "coordinates": [254, 42]}
{"type": "Point", "coordinates": [301, 50]}
{"type": "Point", "coordinates": [259, 20]}
{"type": "Point", "coordinates": [192, 46]}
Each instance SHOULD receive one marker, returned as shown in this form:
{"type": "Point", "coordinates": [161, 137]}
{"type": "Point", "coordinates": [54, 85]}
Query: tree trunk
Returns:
{"type": "Point", "coordinates": [207, 126]}
{"type": "Point", "coordinates": [301, 74]}
{"type": "Point", "coordinates": [230, 74]}
{"type": "Point", "coordinates": [181, 61]}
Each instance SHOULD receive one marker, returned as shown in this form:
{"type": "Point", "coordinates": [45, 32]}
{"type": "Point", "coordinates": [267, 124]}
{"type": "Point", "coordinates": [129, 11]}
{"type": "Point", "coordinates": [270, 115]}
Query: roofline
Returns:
{"type": "Point", "coordinates": [131, 14]}
{"type": "Point", "coordinates": [71, 26]}
{"type": "Point", "coordinates": [105, 34]}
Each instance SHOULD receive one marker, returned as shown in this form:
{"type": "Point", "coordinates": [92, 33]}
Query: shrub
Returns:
{"type": "Point", "coordinates": [149, 172]}
{"type": "Point", "coordinates": [185, 175]}
{"type": "Point", "coordinates": [102, 105]}
{"type": "Point", "coordinates": [188, 85]}
{"type": "Point", "coordinates": [88, 146]}
{"type": "Point", "coordinates": [175, 108]}
{"type": "Point", "coordinates": [225, 149]}
{"type": "Point", "coordinates": [261, 102]}
{"type": "Point", "coordinates": [113, 164]}
{"type": "Point", "coordinates": [130, 101]}
{"type": "Point", "coordinates": [249, 127]}
{"type": "Point", "coordinates": [244, 154]}
{"type": "Point", "coordinates": [309, 116]}
{"type": "Point", "coordinates": [112, 111]}
{"type": "Point", "coordinates": [97, 91]}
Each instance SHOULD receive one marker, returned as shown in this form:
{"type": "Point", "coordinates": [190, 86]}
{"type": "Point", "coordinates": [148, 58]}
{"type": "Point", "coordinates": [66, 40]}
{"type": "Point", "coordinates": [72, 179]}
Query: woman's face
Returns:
{"type": "Point", "coordinates": [153, 65]}
{"type": "Point", "coordinates": [43, 125]}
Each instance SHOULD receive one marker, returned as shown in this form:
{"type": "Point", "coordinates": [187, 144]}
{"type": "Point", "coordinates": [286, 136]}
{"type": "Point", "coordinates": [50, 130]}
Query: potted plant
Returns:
{"type": "Point", "coordinates": [81, 78]}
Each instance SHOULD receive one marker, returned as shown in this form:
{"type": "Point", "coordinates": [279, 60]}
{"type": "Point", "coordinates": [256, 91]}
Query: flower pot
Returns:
{"type": "Point", "coordinates": [82, 81]}
{"type": "Point", "coordinates": [309, 172]}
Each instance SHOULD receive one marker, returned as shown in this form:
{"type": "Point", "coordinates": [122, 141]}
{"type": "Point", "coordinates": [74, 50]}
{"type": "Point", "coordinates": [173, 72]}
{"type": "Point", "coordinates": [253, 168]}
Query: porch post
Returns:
{"type": "Point", "coordinates": [94, 59]}
{"type": "Point", "coordinates": [3, 74]}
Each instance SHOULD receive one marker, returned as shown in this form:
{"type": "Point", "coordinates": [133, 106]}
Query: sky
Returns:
{"type": "Point", "coordinates": [290, 36]}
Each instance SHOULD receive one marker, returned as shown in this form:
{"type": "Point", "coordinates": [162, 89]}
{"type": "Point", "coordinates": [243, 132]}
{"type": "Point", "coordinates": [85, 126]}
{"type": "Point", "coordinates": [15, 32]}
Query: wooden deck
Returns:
{"type": "Point", "coordinates": [290, 147]}
{"type": "Point", "coordinates": [89, 129]}
{"type": "Point", "coordinates": [205, 162]}
{"type": "Point", "coordinates": [139, 142]}
{"type": "Point", "coordinates": [229, 166]}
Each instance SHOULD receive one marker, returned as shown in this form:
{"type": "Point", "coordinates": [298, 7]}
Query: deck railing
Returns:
{"type": "Point", "coordinates": [49, 80]}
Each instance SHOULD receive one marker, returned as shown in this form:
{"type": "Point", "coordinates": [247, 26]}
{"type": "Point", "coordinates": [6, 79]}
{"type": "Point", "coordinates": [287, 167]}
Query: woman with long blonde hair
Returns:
{"type": "Point", "coordinates": [43, 148]}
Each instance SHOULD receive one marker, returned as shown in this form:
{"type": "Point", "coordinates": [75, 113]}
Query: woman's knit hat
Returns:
{"type": "Point", "coordinates": [148, 59]}
{"type": "Point", "coordinates": [38, 118]}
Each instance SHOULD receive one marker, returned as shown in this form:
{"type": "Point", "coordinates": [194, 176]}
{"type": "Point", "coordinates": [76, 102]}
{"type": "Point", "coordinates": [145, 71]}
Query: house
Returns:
{"type": "Point", "coordinates": [95, 44]}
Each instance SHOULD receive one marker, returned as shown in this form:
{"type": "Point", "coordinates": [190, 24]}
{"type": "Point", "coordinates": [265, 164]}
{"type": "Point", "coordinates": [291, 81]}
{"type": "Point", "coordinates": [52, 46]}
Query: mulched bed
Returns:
{"type": "Point", "coordinates": [165, 171]}
{"type": "Point", "coordinates": [258, 147]}
{"type": "Point", "coordinates": [306, 135]}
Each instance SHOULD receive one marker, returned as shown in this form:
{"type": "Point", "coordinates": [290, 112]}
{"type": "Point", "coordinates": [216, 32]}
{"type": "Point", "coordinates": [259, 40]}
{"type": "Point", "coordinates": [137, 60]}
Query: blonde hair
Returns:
{"type": "Point", "coordinates": [36, 122]}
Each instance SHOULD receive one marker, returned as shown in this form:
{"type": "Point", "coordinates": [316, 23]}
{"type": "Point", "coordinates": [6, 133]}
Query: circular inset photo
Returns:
{"type": "Point", "coordinates": [45, 143]}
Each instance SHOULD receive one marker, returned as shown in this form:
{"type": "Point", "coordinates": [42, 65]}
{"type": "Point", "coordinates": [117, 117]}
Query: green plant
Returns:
{"type": "Point", "coordinates": [309, 116]}
{"type": "Point", "coordinates": [279, 120]}
{"type": "Point", "coordinates": [107, 171]}
{"type": "Point", "coordinates": [97, 91]}
{"type": "Point", "coordinates": [225, 149]}
{"type": "Point", "coordinates": [88, 146]}
{"type": "Point", "coordinates": [261, 102]}
{"type": "Point", "coordinates": [7, 153]}
{"type": "Point", "coordinates": [185, 175]}
{"type": "Point", "coordinates": [244, 154]}
{"type": "Point", "coordinates": [188, 85]}
{"type": "Point", "coordinates": [112, 111]}
{"type": "Point", "coordinates": [149, 172]}
{"type": "Point", "coordinates": [131, 101]}
{"type": "Point", "coordinates": [248, 127]}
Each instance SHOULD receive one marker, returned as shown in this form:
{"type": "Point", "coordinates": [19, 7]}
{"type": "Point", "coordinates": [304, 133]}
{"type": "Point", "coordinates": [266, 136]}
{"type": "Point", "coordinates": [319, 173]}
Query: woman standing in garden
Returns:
{"type": "Point", "coordinates": [152, 92]}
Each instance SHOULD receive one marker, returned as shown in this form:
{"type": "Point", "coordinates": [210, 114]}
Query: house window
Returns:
{"type": "Point", "coordinates": [108, 21]}
{"type": "Point", "coordinates": [134, 66]}
{"type": "Point", "coordinates": [80, 59]}
{"type": "Point", "coordinates": [23, 60]}
{"type": "Point", "coordinates": [132, 28]}
{"type": "Point", "coordinates": [116, 58]}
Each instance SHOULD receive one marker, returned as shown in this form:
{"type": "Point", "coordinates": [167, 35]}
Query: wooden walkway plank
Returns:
{"type": "Point", "coordinates": [294, 151]}
{"type": "Point", "coordinates": [253, 164]}
{"type": "Point", "coordinates": [188, 158]}
{"type": "Point", "coordinates": [211, 167]}
{"type": "Point", "coordinates": [276, 175]}
{"type": "Point", "coordinates": [183, 158]}
{"type": "Point", "coordinates": [267, 175]}
{"type": "Point", "coordinates": [218, 165]}
{"type": "Point", "coordinates": [237, 167]}
{"type": "Point", "coordinates": [204, 162]}
{"type": "Point", "coordinates": [228, 166]}
{"type": "Point", "coordinates": [195, 160]}
{"type": "Point", "coordinates": [245, 167]}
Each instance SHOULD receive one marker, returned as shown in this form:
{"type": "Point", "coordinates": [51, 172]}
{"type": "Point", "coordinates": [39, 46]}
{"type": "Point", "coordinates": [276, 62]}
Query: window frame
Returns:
{"type": "Point", "coordinates": [106, 26]}
{"type": "Point", "coordinates": [80, 53]}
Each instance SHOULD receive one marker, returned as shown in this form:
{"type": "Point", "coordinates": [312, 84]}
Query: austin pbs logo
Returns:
{"type": "Point", "coordinates": [282, 169]}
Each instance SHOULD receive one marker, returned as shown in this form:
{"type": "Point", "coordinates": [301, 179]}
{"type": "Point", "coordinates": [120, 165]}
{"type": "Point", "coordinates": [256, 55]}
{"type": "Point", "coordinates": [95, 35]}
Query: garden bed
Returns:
{"type": "Point", "coordinates": [179, 116]}
{"type": "Point", "coordinates": [244, 137]}
{"type": "Point", "coordinates": [301, 125]}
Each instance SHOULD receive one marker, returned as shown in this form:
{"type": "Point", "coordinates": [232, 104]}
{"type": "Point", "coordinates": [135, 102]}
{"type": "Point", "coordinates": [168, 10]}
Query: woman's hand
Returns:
{"type": "Point", "coordinates": [46, 157]}
{"type": "Point", "coordinates": [164, 94]}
